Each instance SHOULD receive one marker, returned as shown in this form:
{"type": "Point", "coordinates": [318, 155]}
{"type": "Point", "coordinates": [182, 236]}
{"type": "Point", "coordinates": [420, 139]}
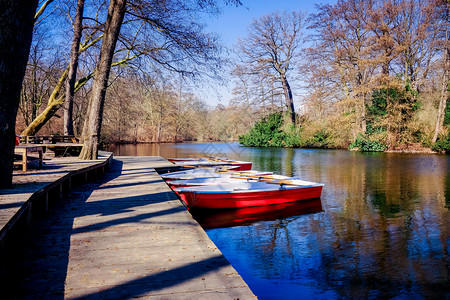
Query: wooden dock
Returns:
{"type": "Point", "coordinates": [34, 192]}
{"type": "Point", "coordinates": [126, 235]}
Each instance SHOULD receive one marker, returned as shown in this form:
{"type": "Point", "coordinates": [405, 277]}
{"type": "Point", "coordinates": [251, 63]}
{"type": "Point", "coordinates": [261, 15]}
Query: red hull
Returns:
{"type": "Point", "coordinates": [248, 199]}
{"type": "Point", "coordinates": [244, 166]}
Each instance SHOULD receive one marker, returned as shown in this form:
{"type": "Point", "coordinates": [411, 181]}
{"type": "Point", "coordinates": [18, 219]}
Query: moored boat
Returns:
{"type": "Point", "coordinates": [248, 194]}
{"type": "Point", "coordinates": [238, 165]}
{"type": "Point", "coordinates": [175, 160]}
{"type": "Point", "coordinates": [241, 165]}
{"type": "Point", "coordinates": [223, 179]}
{"type": "Point", "coordinates": [202, 173]}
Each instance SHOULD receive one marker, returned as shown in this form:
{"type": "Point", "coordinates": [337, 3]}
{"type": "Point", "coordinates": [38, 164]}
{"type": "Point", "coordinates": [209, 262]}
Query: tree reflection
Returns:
{"type": "Point", "coordinates": [383, 233]}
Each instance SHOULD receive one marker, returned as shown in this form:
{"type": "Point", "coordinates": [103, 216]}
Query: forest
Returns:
{"type": "Point", "coordinates": [367, 75]}
{"type": "Point", "coordinates": [374, 76]}
{"type": "Point", "coordinates": [162, 51]}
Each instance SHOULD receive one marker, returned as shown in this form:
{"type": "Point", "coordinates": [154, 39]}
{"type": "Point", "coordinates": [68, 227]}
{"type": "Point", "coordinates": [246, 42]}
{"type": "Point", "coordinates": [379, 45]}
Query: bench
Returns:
{"type": "Point", "coordinates": [63, 149]}
{"type": "Point", "coordinates": [23, 151]}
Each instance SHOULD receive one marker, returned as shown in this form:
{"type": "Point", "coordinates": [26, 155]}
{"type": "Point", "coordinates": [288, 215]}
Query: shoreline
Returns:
{"type": "Point", "coordinates": [407, 150]}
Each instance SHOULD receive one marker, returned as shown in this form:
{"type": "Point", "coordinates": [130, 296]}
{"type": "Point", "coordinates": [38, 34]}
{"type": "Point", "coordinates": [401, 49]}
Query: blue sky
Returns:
{"type": "Point", "coordinates": [233, 23]}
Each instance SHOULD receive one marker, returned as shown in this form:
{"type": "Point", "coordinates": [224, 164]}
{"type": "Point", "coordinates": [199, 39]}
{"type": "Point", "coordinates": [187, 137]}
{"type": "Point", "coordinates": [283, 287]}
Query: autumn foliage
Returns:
{"type": "Point", "coordinates": [374, 74]}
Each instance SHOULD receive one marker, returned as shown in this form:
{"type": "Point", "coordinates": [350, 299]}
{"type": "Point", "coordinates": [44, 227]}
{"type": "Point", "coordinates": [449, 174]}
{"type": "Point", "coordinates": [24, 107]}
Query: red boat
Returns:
{"type": "Point", "coordinates": [241, 165]}
{"type": "Point", "coordinates": [248, 194]}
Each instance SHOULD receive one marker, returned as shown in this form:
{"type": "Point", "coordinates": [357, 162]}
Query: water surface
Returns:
{"type": "Point", "coordinates": [381, 229]}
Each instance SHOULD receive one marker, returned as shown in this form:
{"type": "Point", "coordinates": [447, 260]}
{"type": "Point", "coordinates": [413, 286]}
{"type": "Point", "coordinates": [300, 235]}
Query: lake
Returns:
{"type": "Point", "coordinates": [381, 229]}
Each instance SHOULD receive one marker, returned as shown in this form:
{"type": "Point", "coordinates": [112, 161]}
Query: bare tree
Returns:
{"type": "Point", "coordinates": [57, 97]}
{"type": "Point", "coordinates": [73, 66]}
{"type": "Point", "coordinates": [17, 19]}
{"type": "Point", "coordinates": [163, 34]}
{"type": "Point", "coordinates": [272, 45]}
{"type": "Point", "coordinates": [415, 35]}
{"type": "Point", "coordinates": [381, 21]}
{"type": "Point", "coordinates": [444, 12]}
{"type": "Point", "coordinates": [376, 48]}
{"type": "Point", "coordinates": [116, 13]}
{"type": "Point", "coordinates": [39, 78]}
{"type": "Point", "coordinates": [345, 45]}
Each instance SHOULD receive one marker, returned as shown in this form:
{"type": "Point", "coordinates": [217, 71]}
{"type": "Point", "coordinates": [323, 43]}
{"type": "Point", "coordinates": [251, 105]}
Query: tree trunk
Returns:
{"type": "Point", "coordinates": [445, 80]}
{"type": "Point", "coordinates": [386, 42]}
{"type": "Point", "coordinates": [442, 101]}
{"type": "Point", "coordinates": [73, 66]}
{"type": "Point", "coordinates": [85, 123]}
{"type": "Point", "coordinates": [363, 113]}
{"type": "Point", "coordinates": [16, 31]}
{"type": "Point", "coordinates": [288, 96]}
{"type": "Point", "coordinates": [116, 13]}
{"type": "Point", "coordinates": [54, 103]}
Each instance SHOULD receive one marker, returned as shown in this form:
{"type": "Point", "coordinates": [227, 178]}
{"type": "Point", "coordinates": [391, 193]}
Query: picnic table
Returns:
{"type": "Point", "coordinates": [61, 145]}
{"type": "Point", "coordinates": [23, 151]}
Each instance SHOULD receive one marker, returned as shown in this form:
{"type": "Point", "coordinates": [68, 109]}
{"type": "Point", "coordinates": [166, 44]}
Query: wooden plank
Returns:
{"type": "Point", "coordinates": [30, 185]}
{"type": "Point", "coordinates": [125, 236]}
{"type": "Point", "coordinates": [287, 182]}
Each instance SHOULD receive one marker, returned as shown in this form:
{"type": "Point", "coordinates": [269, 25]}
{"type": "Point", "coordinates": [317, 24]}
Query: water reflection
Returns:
{"type": "Point", "coordinates": [248, 215]}
{"type": "Point", "coordinates": [383, 232]}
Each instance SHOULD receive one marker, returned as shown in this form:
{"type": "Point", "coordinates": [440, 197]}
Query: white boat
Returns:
{"type": "Point", "coordinates": [212, 161]}
{"type": "Point", "coordinates": [226, 178]}
{"type": "Point", "coordinates": [210, 173]}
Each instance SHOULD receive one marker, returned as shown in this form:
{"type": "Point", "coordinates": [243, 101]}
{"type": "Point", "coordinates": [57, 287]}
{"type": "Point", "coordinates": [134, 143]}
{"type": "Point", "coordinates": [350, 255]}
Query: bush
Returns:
{"type": "Point", "coordinates": [322, 138]}
{"type": "Point", "coordinates": [370, 142]}
{"type": "Point", "coordinates": [270, 132]}
{"type": "Point", "coordinates": [392, 109]}
{"type": "Point", "coordinates": [447, 114]}
{"type": "Point", "coordinates": [442, 144]}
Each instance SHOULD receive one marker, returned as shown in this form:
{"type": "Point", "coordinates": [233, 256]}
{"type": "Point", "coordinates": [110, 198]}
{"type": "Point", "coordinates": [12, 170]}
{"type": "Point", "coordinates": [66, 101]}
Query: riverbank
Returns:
{"type": "Point", "coordinates": [413, 148]}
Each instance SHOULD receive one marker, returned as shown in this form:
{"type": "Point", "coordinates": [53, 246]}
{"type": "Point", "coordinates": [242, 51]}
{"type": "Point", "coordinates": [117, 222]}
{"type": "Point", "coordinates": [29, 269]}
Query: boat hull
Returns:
{"type": "Point", "coordinates": [242, 166]}
{"type": "Point", "coordinates": [248, 199]}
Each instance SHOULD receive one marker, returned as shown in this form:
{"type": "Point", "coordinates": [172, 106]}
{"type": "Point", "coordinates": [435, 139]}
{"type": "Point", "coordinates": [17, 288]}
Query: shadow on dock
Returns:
{"type": "Point", "coordinates": [100, 244]}
{"type": "Point", "coordinates": [36, 266]}
{"type": "Point", "coordinates": [159, 281]}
